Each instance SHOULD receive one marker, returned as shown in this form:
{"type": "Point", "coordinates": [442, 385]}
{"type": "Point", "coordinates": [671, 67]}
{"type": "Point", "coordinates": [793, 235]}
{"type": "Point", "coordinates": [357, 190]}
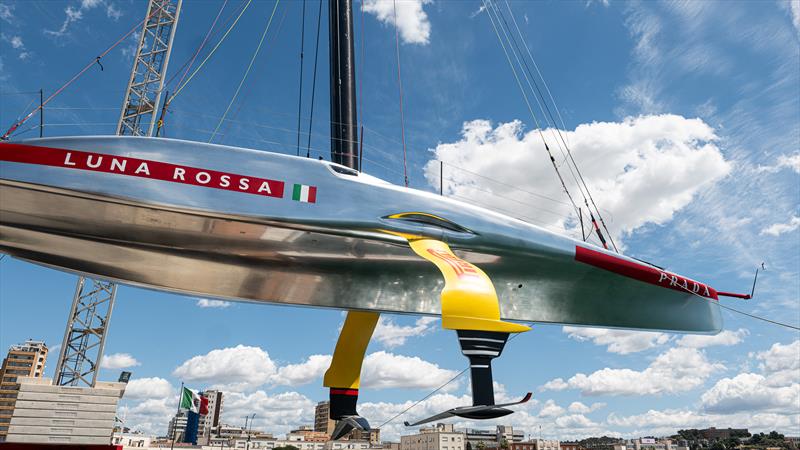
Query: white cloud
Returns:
{"type": "Point", "coordinates": [790, 161]}
{"type": "Point", "coordinates": [392, 335]}
{"type": "Point", "coordinates": [556, 384]}
{"type": "Point", "coordinates": [550, 409]}
{"type": "Point", "coordinates": [16, 42]}
{"type": "Point", "coordinates": [112, 12]}
{"type": "Point", "coordinates": [382, 370]}
{"type": "Point", "coordinates": [75, 14]}
{"type": "Point", "coordinates": [618, 341]}
{"type": "Point", "coordinates": [118, 361]}
{"type": "Point", "coordinates": [580, 408]}
{"type": "Point", "coordinates": [275, 412]}
{"type": "Point", "coordinates": [676, 370]}
{"type": "Point", "coordinates": [240, 367]}
{"type": "Point", "coordinates": [296, 374]}
{"type": "Point", "coordinates": [793, 7]}
{"type": "Point", "coordinates": [148, 388]}
{"type": "Point", "coordinates": [750, 392]}
{"type": "Point", "coordinates": [641, 170]}
{"type": "Point", "coordinates": [6, 12]}
{"type": "Point", "coordinates": [726, 338]}
{"type": "Point", "coordinates": [149, 416]}
{"type": "Point", "coordinates": [206, 303]}
{"type": "Point", "coordinates": [412, 21]}
{"type": "Point", "coordinates": [781, 363]}
{"type": "Point", "coordinates": [575, 421]}
{"type": "Point", "coordinates": [778, 229]}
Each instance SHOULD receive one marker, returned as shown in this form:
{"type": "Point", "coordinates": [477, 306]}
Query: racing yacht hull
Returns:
{"type": "Point", "coordinates": [245, 225]}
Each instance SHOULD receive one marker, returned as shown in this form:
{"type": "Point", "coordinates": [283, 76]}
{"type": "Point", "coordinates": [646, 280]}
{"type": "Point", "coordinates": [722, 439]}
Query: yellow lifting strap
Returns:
{"type": "Point", "coordinates": [469, 301]}
{"type": "Point", "coordinates": [345, 369]}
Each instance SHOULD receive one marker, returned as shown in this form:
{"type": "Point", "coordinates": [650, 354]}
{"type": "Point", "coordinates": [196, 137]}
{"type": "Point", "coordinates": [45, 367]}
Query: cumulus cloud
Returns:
{"type": "Point", "coordinates": [410, 18]}
{"type": "Point", "coordinates": [276, 413]}
{"type": "Point", "coordinates": [781, 363]}
{"type": "Point", "coordinates": [618, 341]}
{"type": "Point", "coordinates": [240, 367]}
{"type": "Point", "coordinates": [677, 370]}
{"type": "Point", "coordinates": [118, 361]}
{"type": "Point", "coordinates": [383, 370]}
{"type": "Point", "coordinates": [392, 335]}
{"type": "Point", "coordinates": [580, 408]}
{"type": "Point", "coordinates": [750, 392]}
{"type": "Point", "coordinates": [296, 374]}
{"type": "Point", "coordinates": [778, 229]}
{"type": "Point", "coordinates": [641, 170]}
{"type": "Point", "coordinates": [725, 338]}
{"type": "Point", "coordinates": [551, 409]}
{"type": "Point", "coordinates": [206, 303]}
{"type": "Point", "coordinates": [148, 388]}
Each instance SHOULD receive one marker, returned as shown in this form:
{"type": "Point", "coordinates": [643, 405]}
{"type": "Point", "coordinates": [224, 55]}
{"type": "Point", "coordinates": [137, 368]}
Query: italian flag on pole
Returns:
{"type": "Point", "coordinates": [304, 193]}
{"type": "Point", "coordinates": [190, 400]}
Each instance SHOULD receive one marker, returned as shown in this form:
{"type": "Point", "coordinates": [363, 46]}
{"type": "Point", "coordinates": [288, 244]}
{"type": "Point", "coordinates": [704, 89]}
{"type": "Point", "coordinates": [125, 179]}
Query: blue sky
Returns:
{"type": "Point", "coordinates": [683, 116]}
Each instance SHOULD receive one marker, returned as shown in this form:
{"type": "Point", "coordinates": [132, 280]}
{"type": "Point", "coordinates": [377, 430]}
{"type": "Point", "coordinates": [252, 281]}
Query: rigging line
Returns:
{"type": "Point", "coordinates": [200, 48]}
{"type": "Point", "coordinates": [77, 75]}
{"type": "Point", "coordinates": [227, 22]}
{"type": "Point", "coordinates": [534, 88]}
{"type": "Point", "coordinates": [547, 88]}
{"type": "Point", "coordinates": [360, 114]}
{"type": "Point", "coordinates": [717, 302]}
{"type": "Point", "coordinates": [400, 85]}
{"type": "Point", "coordinates": [545, 109]}
{"type": "Point", "coordinates": [560, 135]}
{"type": "Point", "coordinates": [249, 88]}
{"type": "Point", "coordinates": [300, 95]}
{"type": "Point", "coordinates": [314, 81]}
{"type": "Point", "coordinates": [435, 390]}
{"type": "Point", "coordinates": [211, 53]}
{"type": "Point", "coordinates": [530, 108]}
{"type": "Point", "coordinates": [246, 72]}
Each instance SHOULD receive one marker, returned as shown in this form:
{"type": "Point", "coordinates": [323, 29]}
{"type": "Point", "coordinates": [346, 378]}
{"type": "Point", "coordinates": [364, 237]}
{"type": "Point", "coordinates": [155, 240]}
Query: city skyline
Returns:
{"type": "Point", "coordinates": [684, 117]}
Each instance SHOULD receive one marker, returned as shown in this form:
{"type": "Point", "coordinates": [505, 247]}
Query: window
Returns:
{"type": "Point", "coordinates": [5, 419]}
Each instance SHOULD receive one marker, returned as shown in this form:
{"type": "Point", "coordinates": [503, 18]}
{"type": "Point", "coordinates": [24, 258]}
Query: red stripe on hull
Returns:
{"type": "Point", "coordinates": [641, 272]}
{"type": "Point", "coordinates": [141, 168]}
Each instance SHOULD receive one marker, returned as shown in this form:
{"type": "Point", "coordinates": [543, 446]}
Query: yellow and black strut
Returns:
{"type": "Point", "coordinates": [469, 305]}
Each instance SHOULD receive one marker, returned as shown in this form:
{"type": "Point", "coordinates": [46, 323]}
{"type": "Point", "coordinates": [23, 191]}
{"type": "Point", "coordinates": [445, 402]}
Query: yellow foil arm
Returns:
{"type": "Point", "coordinates": [345, 369]}
{"type": "Point", "coordinates": [469, 301]}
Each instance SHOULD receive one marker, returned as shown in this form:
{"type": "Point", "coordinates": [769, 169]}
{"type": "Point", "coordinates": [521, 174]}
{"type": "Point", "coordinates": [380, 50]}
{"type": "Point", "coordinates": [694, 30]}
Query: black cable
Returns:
{"type": "Point", "coordinates": [314, 82]}
{"type": "Point", "coordinates": [300, 96]}
{"type": "Point", "coordinates": [553, 120]}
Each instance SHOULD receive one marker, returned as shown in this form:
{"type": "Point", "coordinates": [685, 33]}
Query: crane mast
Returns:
{"type": "Point", "coordinates": [85, 336]}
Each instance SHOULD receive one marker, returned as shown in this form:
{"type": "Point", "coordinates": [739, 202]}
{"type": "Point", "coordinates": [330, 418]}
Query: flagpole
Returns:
{"type": "Point", "coordinates": [175, 424]}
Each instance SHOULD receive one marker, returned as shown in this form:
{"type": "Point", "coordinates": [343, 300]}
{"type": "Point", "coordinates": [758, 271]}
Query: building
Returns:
{"type": "Point", "coordinates": [649, 443]}
{"type": "Point", "coordinates": [538, 444]}
{"type": "Point", "coordinates": [210, 422]}
{"type": "Point", "coordinates": [23, 360]}
{"type": "Point", "coordinates": [440, 437]}
{"type": "Point", "coordinates": [322, 418]}
{"type": "Point", "coordinates": [307, 434]}
{"type": "Point", "coordinates": [567, 445]}
{"type": "Point", "coordinates": [493, 438]}
{"type": "Point", "coordinates": [64, 415]}
{"type": "Point", "coordinates": [373, 436]}
{"type": "Point", "coordinates": [347, 445]}
{"type": "Point", "coordinates": [127, 439]}
{"type": "Point", "coordinates": [177, 426]}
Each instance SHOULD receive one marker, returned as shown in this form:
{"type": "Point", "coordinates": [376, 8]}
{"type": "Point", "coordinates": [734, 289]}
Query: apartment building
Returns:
{"type": "Point", "coordinates": [23, 360]}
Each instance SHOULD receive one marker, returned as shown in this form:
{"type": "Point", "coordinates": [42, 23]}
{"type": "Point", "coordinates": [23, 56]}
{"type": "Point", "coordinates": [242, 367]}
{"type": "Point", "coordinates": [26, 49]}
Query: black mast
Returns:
{"type": "Point", "coordinates": [344, 137]}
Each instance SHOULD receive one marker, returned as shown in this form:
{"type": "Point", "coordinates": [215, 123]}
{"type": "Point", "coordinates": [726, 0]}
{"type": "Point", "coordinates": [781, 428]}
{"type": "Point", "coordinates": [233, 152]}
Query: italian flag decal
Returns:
{"type": "Point", "coordinates": [304, 193]}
